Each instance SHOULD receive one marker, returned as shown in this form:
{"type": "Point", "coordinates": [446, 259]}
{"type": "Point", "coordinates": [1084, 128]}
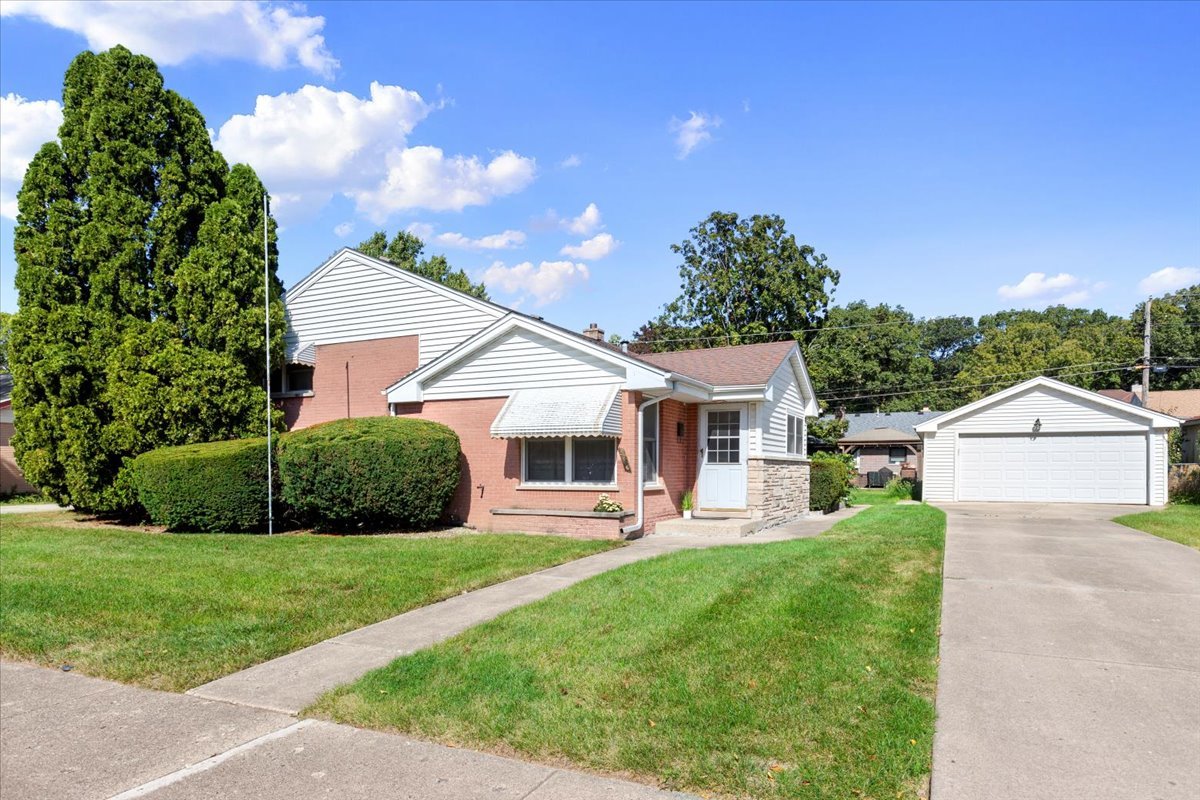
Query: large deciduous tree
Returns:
{"type": "Point", "coordinates": [869, 357]}
{"type": "Point", "coordinates": [1174, 338]}
{"type": "Point", "coordinates": [405, 249]}
{"type": "Point", "coordinates": [139, 279]}
{"type": "Point", "coordinates": [744, 281]}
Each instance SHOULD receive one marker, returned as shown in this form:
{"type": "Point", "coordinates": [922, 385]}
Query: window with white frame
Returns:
{"type": "Point", "coordinates": [588, 462]}
{"type": "Point", "coordinates": [292, 378]}
{"type": "Point", "coordinates": [897, 455]}
{"type": "Point", "coordinates": [650, 444]}
{"type": "Point", "coordinates": [795, 435]}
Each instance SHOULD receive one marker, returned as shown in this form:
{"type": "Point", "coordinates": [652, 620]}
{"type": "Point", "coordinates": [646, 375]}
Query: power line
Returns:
{"type": "Point", "coordinates": [983, 385]}
{"type": "Point", "coordinates": [949, 384]}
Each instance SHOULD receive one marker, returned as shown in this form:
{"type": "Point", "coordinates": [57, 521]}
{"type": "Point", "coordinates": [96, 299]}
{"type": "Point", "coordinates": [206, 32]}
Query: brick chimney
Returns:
{"type": "Point", "coordinates": [594, 333]}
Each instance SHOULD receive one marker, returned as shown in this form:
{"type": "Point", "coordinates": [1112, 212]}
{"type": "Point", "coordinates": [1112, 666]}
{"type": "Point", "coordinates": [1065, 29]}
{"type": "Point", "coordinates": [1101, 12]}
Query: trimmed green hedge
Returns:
{"type": "Point", "coordinates": [370, 472]}
{"type": "Point", "coordinates": [218, 486]}
{"type": "Point", "coordinates": [826, 486]}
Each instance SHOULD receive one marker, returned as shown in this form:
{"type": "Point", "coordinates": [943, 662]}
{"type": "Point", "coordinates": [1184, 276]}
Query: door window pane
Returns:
{"type": "Point", "coordinates": [724, 437]}
{"type": "Point", "coordinates": [593, 460]}
{"type": "Point", "coordinates": [546, 460]}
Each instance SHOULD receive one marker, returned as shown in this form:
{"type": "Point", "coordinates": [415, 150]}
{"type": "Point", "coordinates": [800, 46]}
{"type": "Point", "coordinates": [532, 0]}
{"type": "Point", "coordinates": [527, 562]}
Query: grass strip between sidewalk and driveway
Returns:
{"type": "Point", "coordinates": [173, 611]}
{"type": "Point", "coordinates": [801, 669]}
{"type": "Point", "coordinates": [1179, 523]}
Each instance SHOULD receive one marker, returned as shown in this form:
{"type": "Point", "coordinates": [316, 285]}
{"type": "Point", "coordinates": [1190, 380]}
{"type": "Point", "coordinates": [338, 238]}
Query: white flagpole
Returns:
{"type": "Point", "coordinates": [267, 315]}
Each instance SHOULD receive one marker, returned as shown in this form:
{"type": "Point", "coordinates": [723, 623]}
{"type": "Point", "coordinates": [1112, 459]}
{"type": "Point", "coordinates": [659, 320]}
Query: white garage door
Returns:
{"type": "Point", "coordinates": [1064, 468]}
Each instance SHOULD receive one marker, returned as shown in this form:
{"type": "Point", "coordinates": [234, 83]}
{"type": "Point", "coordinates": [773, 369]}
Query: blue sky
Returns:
{"type": "Point", "coordinates": [951, 158]}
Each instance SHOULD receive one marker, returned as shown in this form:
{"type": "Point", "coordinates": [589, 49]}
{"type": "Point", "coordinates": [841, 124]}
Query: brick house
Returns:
{"type": "Point", "coordinates": [550, 419]}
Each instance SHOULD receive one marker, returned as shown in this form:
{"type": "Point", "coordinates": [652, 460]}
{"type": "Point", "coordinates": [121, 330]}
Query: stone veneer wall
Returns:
{"type": "Point", "coordinates": [778, 488]}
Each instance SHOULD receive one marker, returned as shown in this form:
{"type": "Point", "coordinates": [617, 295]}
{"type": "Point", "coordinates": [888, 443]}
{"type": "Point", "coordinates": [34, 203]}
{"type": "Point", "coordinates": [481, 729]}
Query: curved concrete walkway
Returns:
{"type": "Point", "coordinates": [1070, 658]}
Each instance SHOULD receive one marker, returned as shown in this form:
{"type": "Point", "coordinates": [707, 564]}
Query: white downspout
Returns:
{"type": "Point", "coordinates": [641, 484]}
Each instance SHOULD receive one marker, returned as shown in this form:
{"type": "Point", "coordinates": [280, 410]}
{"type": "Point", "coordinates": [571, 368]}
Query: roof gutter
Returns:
{"type": "Point", "coordinates": [639, 520]}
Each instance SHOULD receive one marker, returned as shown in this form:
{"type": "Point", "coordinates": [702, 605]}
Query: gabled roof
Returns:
{"type": "Point", "coordinates": [1155, 418]}
{"type": "Point", "coordinates": [879, 435]}
{"type": "Point", "coordinates": [646, 376]}
{"type": "Point", "coordinates": [904, 421]}
{"type": "Point", "coordinates": [1124, 395]}
{"type": "Point", "coordinates": [733, 365]}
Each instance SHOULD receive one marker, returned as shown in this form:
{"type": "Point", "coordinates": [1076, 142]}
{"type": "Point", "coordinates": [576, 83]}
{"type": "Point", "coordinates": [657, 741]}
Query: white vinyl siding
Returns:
{"type": "Point", "coordinates": [938, 468]}
{"type": "Point", "coordinates": [355, 300]}
{"type": "Point", "coordinates": [1158, 469]}
{"type": "Point", "coordinates": [1058, 413]}
{"type": "Point", "coordinates": [522, 360]}
{"type": "Point", "coordinates": [786, 400]}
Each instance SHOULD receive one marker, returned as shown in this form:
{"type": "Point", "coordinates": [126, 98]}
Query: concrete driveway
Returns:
{"type": "Point", "coordinates": [1070, 657]}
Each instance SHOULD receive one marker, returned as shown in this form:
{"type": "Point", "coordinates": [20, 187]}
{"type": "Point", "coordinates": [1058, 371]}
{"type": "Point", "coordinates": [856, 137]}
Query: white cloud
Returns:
{"type": "Point", "coordinates": [313, 143]}
{"type": "Point", "coordinates": [276, 35]}
{"type": "Point", "coordinates": [599, 246]}
{"type": "Point", "coordinates": [25, 125]}
{"type": "Point", "coordinates": [570, 162]}
{"type": "Point", "coordinates": [505, 240]}
{"type": "Point", "coordinates": [586, 222]}
{"type": "Point", "coordinates": [1062, 289]}
{"type": "Point", "coordinates": [692, 132]}
{"type": "Point", "coordinates": [1168, 279]}
{"type": "Point", "coordinates": [422, 177]}
{"type": "Point", "coordinates": [344, 229]}
{"type": "Point", "coordinates": [547, 282]}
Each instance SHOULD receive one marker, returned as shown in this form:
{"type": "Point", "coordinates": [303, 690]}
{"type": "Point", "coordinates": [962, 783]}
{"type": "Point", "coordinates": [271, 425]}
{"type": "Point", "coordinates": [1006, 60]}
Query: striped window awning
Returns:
{"type": "Point", "coordinates": [560, 412]}
{"type": "Point", "coordinates": [301, 353]}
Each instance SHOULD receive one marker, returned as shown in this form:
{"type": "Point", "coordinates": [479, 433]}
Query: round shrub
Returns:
{"type": "Point", "coordinates": [370, 472]}
{"type": "Point", "coordinates": [218, 486]}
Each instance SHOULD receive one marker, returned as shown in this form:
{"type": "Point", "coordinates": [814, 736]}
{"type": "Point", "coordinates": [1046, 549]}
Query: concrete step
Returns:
{"type": "Point", "coordinates": [707, 527]}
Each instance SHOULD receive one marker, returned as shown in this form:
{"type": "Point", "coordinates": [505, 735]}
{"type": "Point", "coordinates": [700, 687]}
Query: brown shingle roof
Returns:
{"type": "Point", "coordinates": [736, 365]}
{"type": "Point", "coordinates": [1124, 395]}
{"type": "Point", "coordinates": [1183, 403]}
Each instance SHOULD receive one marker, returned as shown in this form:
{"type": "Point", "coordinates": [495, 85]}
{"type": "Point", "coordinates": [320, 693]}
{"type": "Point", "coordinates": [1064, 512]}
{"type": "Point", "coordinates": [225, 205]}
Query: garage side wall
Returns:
{"type": "Point", "coordinates": [938, 480]}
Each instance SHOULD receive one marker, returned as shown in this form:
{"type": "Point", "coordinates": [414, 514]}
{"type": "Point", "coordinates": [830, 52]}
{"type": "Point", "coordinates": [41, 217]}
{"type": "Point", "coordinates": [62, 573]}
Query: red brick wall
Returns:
{"type": "Point", "coordinates": [374, 365]}
{"type": "Point", "coordinates": [492, 469]}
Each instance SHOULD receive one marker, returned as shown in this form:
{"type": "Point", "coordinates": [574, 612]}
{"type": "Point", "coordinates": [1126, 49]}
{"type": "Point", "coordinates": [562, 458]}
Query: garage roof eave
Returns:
{"type": "Point", "coordinates": [1156, 419]}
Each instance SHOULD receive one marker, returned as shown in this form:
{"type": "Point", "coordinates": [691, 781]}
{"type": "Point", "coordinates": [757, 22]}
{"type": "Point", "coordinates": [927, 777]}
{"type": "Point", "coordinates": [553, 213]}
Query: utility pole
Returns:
{"type": "Point", "coordinates": [1146, 358]}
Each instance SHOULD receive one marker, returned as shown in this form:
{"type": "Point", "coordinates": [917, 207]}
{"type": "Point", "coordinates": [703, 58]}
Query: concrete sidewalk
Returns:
{"type": "Point", "coordinates": [1070, 658]}
{"type": "Point", "coordinates": [70, 737]}
{"type": "Point", "coordinates": [290, 683]}
{"type": "Point", "coordinates": [31, 508]}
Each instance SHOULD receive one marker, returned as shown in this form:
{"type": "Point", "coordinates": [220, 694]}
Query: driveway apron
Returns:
{"type": "Point", "coordinates": [1070, 657]}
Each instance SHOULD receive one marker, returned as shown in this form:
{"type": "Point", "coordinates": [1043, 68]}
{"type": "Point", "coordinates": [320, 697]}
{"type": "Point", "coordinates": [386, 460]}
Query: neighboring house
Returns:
{"type": "Point", "coordinates": [1047, 441]}
{"type": "Point", "coordinates": [549, 419]}
{"type": "Point", "coordinates": [1181, 403]}
{"type": "Point", "coordinates": [11, 479]}
{"type": "Point", "coordinates": [883, 439]}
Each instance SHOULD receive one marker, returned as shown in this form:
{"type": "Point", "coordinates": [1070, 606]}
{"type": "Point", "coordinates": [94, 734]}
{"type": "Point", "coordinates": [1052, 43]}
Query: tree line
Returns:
{"type": "Point", "coordinates": [747, 280]}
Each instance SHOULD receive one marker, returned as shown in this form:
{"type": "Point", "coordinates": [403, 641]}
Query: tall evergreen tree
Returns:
{"type": "Point", "coordinates": [126, 227]}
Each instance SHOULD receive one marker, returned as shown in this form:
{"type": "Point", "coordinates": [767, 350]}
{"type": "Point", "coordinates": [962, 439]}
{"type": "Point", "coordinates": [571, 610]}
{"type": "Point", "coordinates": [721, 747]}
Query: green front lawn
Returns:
{"type": "Point", "coordinates": [802, 669]}
{"type": "Point", "coordinates": [870, 497]}
{"type": "Point", "coordinates": [1179, 523]}
{"type": "Point", "coordinates": [175, 611]}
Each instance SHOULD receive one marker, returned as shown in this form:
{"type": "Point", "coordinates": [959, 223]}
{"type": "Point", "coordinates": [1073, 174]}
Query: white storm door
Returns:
{"type": "Point", "coordinates": [723, 458]}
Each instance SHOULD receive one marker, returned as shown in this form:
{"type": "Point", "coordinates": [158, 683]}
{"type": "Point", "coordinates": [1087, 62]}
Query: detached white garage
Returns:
{"type": "Point", "coordinates": [1047, 441]}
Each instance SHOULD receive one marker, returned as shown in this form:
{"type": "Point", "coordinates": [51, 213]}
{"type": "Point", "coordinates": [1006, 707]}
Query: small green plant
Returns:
{"type": "Point", "coordinates": [688, 501]}
{"type": "Point", "coordinates": [607, 504]}
{"type": "Point", "coordinates": [898, 487]}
